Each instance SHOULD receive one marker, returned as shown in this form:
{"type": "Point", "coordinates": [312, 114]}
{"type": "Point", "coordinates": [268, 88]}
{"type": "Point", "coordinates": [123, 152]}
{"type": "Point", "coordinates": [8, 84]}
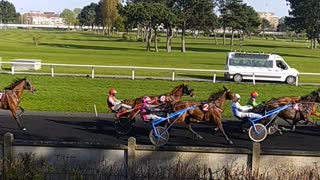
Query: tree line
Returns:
{"type": "Point", "coordinates": [149, 16]}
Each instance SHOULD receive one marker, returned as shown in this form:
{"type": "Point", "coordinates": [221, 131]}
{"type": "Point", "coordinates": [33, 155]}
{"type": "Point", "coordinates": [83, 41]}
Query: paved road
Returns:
{"type": "Point", "coordinates": [87, 128]}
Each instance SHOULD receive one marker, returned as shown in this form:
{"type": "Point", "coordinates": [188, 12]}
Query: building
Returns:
{"type": "Point", "coordinates": [273, 19]}
{"type": "Point", "coordinates": [42, 18]}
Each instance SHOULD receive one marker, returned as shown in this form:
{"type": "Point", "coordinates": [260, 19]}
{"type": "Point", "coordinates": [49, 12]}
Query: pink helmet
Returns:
{"type": "Point", "coordinates": [146, 99]}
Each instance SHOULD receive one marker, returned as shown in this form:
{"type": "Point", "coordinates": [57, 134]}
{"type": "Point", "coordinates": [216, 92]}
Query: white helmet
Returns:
{"type": "Point", "coordinates": [237, 96]}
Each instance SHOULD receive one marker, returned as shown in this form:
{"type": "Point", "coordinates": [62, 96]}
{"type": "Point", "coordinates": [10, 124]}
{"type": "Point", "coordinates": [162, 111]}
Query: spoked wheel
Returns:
{"type": "Point", "coordinates": [260, 134]}
{"type": "Point", "coordinates": [163, 136]}
{"type": "Point", "coordinates": [273, 128]}
{"type": "Point", "coordinates": [123, 125]}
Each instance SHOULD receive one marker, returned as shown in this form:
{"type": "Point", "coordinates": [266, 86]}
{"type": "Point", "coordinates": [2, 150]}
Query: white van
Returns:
{"type": "Point", "coordinates": [266, 67]}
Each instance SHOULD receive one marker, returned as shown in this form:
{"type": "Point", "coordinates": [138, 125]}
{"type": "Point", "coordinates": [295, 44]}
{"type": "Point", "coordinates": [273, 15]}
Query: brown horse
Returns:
{"type": "Point", "coordinates": [209, 110]}
{"type": "Point", "coordinates": [172, 96]}
{"type": "Point", "coordinates": [303, 108]}
{"type": "Point", "coordinates": [166, 99]}
{"type": "Point", "coordinates": [10, 98]}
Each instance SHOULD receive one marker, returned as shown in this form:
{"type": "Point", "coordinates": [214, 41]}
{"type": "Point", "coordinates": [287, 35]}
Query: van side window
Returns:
{"type": "Point", "coordinates": [281, 64]}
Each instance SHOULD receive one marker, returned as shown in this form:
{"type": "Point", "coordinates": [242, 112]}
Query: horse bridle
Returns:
{"type": "Point", "coordinates": [186, 90]}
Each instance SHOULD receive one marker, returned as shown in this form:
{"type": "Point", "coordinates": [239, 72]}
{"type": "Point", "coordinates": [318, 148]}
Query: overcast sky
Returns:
{"type": "Point", "coordinates": [278, 7]}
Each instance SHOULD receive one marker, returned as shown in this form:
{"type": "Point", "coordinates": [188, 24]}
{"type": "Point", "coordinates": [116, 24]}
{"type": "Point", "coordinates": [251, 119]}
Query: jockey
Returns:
{"type": "Point", "coordinates": [113, 103]}
{"type": "Point", "coordinates": [242, 111]}
{"type": "Point", "coordinates": [146, 109]}
{"type": "Point", "coordinates": [252, 100]}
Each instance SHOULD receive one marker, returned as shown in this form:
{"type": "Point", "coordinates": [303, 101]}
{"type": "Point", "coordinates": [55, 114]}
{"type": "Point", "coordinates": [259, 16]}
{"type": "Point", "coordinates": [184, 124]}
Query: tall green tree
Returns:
{"type": "Point", "coordinates": [87, 15]}
{"type": "Point", "coordinates": [68, 17]}
{"type": "Point", "coordinates": [305, 16]}
{"type": "Point", "coordinates": [8, 12]}
{"type": "Point", "coordinates": [109, 13]}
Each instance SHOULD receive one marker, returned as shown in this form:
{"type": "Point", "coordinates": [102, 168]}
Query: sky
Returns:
{"type": "Point", "coordinates": [278, 7]}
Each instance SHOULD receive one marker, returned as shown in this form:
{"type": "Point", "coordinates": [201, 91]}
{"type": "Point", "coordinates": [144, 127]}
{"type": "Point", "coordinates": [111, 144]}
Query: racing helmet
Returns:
{"type": "Point", "coordinates": [146, 99]}
{"type": "Point", "coordinates": [254, 94]}
{"type": "Point", "coordinates": [237, 96]}
{"type": "Point", "coordinates": [112, 91]}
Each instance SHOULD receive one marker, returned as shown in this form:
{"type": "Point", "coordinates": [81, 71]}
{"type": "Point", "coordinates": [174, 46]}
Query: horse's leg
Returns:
{"type": "Point", "coordinates": [22, 111]}
{"type": "Point", "coordinates": [13, 107]}
{"type": "Point", "coordinates": [220, 126]}
{"type": "Point", "coordinates": [188, 126]}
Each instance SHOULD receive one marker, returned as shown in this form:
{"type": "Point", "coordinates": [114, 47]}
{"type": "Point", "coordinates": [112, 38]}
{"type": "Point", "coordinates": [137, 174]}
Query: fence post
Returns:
{"type": "Point", "coordinates": [254, 79]}
{"type": "Point", "coordinates": [214, 77]}
{"type": "Point", "coordinates": [256, 150]}
{"type": "Point", "coordinates": [132, 74]}
{"type": "Point", "coordinates": [131, 158]}
{"type": "Point", "coordinates": [52, 71]}
{"type": "Point", "coordinates": [12, 69]}
{"type": "Point", "coordinates": [92, 73]}
{"type": "Point", "coordinates": [297, 79]}
{"type": "Point", "coordinates": [7, 146]}
{"type": "Point", "coordinates": [173, 74]}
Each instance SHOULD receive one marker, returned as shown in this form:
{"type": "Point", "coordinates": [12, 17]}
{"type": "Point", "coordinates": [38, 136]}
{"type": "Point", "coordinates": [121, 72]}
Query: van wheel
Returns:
{"type": "Point", "coordinates": [290, 80]}
{"type": "Point", "coordinates": [237, 78]}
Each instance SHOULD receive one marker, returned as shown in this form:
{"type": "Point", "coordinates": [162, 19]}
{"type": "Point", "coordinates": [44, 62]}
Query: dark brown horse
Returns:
{"type": "Point", "coordinates": [209, 110]}
{"type": "Point", "coordinates": [303, 108]}
{"type": "Point", "coordinates": [10, 98]}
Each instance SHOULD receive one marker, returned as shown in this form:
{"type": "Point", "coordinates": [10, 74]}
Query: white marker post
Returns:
{"type": "Point", "coordinates": [95, 109]}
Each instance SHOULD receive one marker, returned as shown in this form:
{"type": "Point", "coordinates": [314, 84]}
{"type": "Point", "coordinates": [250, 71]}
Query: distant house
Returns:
{"type": "Point", "coordinates": [42, 18]}
{"type": "Point", "coordinates": [273, 19]}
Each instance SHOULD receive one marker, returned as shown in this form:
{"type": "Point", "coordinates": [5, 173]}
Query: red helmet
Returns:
{"type": "Point", "coordinates": [146, 99]}
{"type": "Point", "coordinates": [254, 94]}
{"type": "Point", "coordinates": [112, 91]}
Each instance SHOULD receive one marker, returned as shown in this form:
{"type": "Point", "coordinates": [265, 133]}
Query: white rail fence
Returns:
{"type": "Point", "coordinates": [130, 68]}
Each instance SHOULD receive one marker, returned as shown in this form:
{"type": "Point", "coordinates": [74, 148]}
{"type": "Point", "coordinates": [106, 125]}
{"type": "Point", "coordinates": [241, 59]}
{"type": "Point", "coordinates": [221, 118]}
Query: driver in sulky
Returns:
{"type": "Point", "coordinates": [113, 103]}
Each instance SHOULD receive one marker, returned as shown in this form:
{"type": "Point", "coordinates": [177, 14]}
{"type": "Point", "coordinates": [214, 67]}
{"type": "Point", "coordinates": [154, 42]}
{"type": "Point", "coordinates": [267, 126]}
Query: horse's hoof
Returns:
{"type": "Point", "coordinates": [216, 129]}
{"type": "Point", "coordinates": [230, 142]}
{"type": "Point", "coordinates": [23, 129]}
{"type": "Point", "coordinates": [199, 137]}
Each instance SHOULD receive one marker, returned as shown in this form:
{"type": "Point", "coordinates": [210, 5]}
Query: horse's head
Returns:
{"type": "Point", "coordinates": [229, 94]}
{"type": "Point", "coordinates": [187, 90]}
{"type": "Point", "coordinates": [314, 96]}
{"type": "Point", "coordinates": [29, 86]}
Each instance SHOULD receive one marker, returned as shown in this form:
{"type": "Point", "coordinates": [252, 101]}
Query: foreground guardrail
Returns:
{"type": "Point", "coordinates": [133, 70]}
{"type": "Point", "coordinates": [132, 154]}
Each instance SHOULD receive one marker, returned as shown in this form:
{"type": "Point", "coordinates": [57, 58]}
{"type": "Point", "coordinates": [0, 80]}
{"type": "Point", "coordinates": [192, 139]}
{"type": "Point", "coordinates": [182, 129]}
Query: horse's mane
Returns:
{"type": "Point", "coordinates": [215, 95]}
{"type": "Point", "coordinates": [310, 96]}
{"type": "Point", "coordinates": [176, 88]}
{"type": "Point", "coordinates": [14, 83]}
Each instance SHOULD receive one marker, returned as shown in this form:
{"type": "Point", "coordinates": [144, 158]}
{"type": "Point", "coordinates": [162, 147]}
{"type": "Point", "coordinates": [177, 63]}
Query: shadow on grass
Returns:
{"type": "Point", "coordinates": [77, 46]}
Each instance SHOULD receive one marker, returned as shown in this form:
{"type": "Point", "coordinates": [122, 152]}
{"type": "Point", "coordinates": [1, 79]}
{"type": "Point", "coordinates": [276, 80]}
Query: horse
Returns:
{"type": "Point", "coordinates": [303, 108]}
{"type": "Point", "coordinates": [10, 98]}
{"type": "Point", "coordinates": [172, 96]}
{"type": "Point", "coordinates": [208, 110]}
{"type": "Point", "coordinates": [166, 100]}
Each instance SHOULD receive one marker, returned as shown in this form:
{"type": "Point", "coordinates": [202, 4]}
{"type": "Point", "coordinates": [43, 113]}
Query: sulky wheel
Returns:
{"type": "Point", "coordinates": [123, 125]}
{"type": "Point", "coordinates": [273, 128]}
{"type": "Point", "coordinates": [260, 134]}
{"type": "Point", "coordinates": [163, 136]}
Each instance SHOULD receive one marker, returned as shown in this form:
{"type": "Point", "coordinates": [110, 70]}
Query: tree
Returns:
{"type": "Point", "coordinates": [109, 13]}
{"type": "Point", "coordinates": [68, 17]}
{"type": "Point", "coordinates": [282, 26]}
{"type": "Point", "coordinates": [87, 15]}
{"type": "Point", "coordinates": [264, 25]}
{"type": "Point", "coordinates": [8, 12]}
{"type": "Point", "coordinates": [184, 10]}
{"type": "Point", "coordinates": [305, 16]}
